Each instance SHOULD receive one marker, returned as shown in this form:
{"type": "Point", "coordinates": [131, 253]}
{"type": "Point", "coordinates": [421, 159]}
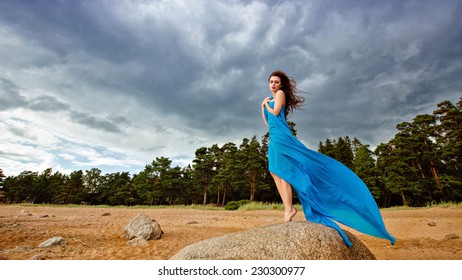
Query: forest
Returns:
{"type": "Point", "coordinates": [420, 165]}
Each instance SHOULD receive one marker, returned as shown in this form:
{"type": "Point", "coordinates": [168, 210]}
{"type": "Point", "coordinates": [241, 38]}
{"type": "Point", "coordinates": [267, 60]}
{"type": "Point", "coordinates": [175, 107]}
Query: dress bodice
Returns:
{"type": "Point", "coordinates": [271, 119]}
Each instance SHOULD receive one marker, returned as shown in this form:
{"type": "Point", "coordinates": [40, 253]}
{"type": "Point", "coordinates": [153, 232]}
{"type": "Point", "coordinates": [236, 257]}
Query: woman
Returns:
{"type": "Point", "coordinates": [328, 190]}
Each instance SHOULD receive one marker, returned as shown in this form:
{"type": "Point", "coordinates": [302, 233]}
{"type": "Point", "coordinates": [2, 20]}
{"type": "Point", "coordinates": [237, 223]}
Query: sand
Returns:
{"type": "Point", "coordinates": [97, 233]}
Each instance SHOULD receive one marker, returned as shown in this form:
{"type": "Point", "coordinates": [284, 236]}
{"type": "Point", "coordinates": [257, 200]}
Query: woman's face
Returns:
{"type": "Point", "coordinates": [274, 83]}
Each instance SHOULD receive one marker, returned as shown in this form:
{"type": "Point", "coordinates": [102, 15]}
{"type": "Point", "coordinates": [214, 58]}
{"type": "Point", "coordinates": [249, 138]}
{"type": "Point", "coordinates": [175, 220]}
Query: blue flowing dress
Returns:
{"type": "Point", "coordinates": [327, 189]}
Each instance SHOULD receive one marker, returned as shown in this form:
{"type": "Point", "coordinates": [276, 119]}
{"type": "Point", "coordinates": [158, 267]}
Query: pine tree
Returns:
{"type": "Point", "coordinates": [253, 165]}
{"type": "Point", "coordinates": [203, 170]}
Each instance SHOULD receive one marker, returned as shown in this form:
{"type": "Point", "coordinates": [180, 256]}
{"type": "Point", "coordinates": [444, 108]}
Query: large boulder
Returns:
{"type": "Point", "coordinates": [287, 241]}
{"type": "Point", "coordinates": [142, 227]}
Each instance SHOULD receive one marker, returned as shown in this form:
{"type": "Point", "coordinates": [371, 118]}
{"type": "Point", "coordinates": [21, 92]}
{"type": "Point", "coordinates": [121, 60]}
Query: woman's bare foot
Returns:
{"type": "Point", "coordinates": [289, 215]}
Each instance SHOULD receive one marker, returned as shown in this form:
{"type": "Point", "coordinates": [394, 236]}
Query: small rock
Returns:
{"type": "Point", "coordinates": [138, 241]}
{"type": "Point", "coordinates": [432, 224]}
{"type": "Point", "coordinates": [24, 212]}
{"type": "Point", "coordinates": [106, 214]}
{"type": "Point", "coordinates": [451, 236]}
{"type": "Point", "coordinates": [19, 249]}
{"type": "Point", "coordinates": [192, 223]}
{"type": "Point", "coordinates": [43, 216]}
{"type": "Point", "coordinates": [38, 257]}
{"type": "Point", "coordinates": [58, 240]}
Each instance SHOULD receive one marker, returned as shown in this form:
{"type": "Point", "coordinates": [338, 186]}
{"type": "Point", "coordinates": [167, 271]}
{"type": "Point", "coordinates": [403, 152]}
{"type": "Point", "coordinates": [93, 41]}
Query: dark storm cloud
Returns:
{"type": "Point", "coordinates": [10, 98]}
{"type": "Point", "coordinates": [9, 95]}
{"type": "Point", "coordinates": [47, 104]}
{"type": "Point", "coordinates": [23, 134]}
{"type": "Point", "coordinates": [97, 122]}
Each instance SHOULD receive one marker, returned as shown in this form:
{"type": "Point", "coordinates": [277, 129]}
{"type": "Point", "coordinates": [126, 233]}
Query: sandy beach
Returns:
{"type": "Point", "coordinates": [97, 233]}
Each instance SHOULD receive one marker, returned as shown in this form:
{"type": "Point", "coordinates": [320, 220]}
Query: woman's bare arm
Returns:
{"type": "Point", "coordinates": [263, 110]}
{"type": "Point", "coordinates": [279, 101]}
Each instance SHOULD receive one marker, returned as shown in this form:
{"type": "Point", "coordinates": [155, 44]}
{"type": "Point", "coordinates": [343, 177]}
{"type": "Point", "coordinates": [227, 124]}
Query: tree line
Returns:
{"type": "Point", "coordinates": [421, 164]}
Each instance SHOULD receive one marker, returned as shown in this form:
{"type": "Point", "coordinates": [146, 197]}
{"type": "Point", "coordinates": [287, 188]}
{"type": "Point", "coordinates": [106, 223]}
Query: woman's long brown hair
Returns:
{"type": "Point", "coordinates": [288, 86]}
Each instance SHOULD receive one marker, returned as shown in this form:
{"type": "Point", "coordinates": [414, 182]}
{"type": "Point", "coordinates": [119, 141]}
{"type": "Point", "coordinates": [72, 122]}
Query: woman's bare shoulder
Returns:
{"type": "Point", "coordinates": [281, 96]}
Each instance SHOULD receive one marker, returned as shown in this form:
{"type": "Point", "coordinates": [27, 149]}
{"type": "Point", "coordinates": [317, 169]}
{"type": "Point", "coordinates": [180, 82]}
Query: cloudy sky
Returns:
{"type": "Point", "coordinates": [115, 84]}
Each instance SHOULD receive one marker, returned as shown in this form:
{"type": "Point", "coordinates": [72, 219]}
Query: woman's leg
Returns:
{"type": "Point", "coordinates": [285, 191]}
